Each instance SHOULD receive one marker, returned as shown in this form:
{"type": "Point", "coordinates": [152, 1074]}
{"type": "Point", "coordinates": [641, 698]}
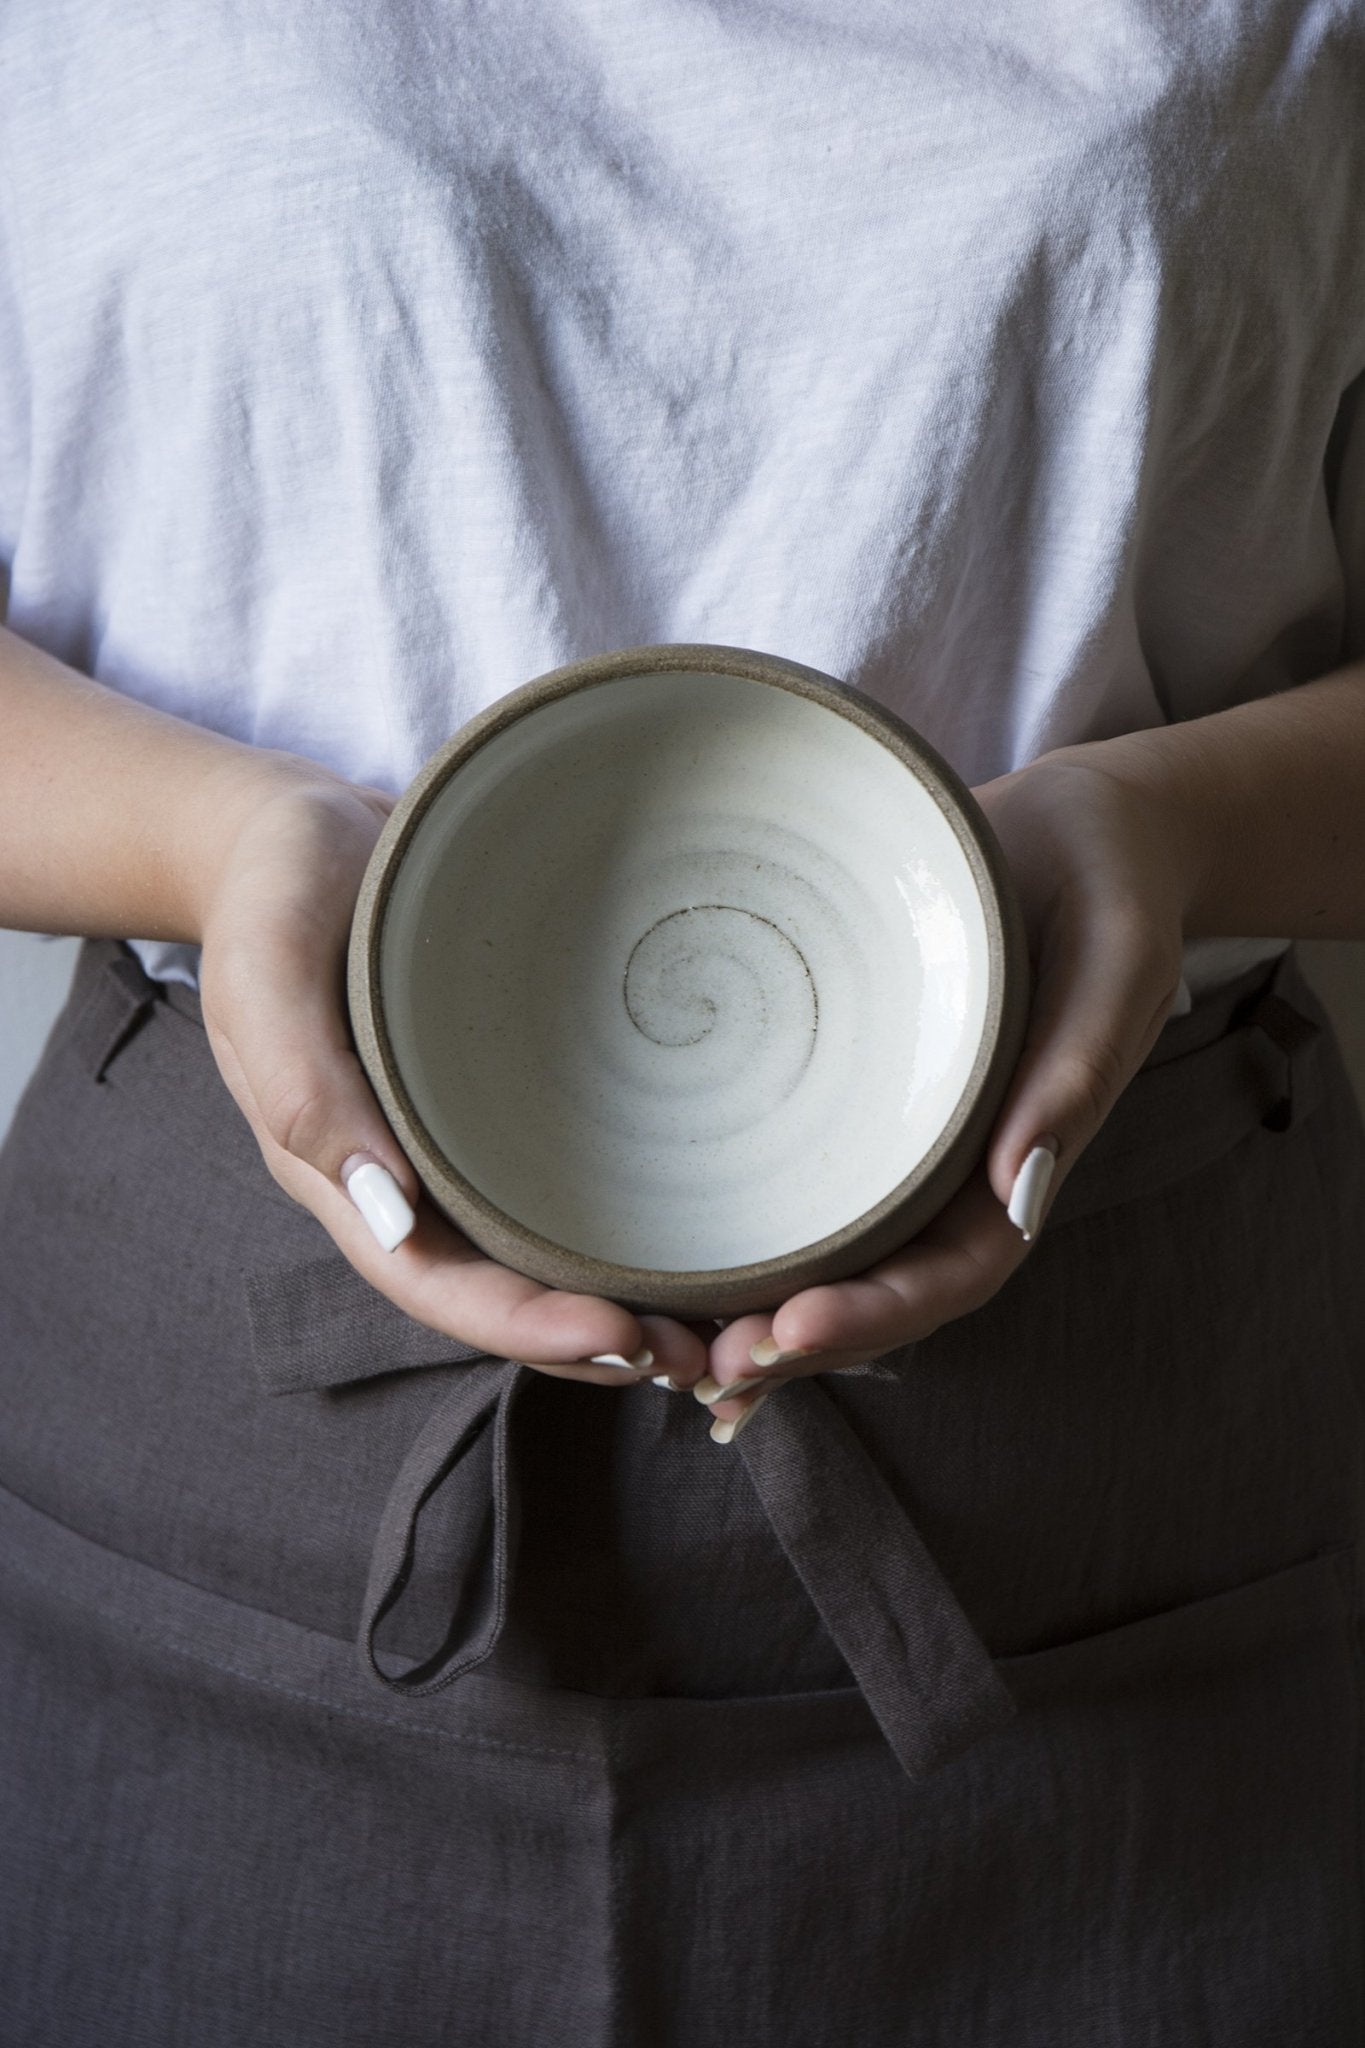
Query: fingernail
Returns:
{"type": "Point", "coordinates": [661, 1379]}
{"type": "Point", "coordinates": [708, 1390]}
{"type": "Point", "coordinates": [1031, 1184]}
{"type": "Point", "coordinates": [726, 1432]}
{"type": "Point", "coordinates": [641, 1362]}
{"type": "Point", "coordinates": [766, 1352]}
{"type": "Point", "coordinates": [380, 1200]}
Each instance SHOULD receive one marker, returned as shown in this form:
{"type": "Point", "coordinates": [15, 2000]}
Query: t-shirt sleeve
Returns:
{"type": "Point", "coordinates": [1346, 500]}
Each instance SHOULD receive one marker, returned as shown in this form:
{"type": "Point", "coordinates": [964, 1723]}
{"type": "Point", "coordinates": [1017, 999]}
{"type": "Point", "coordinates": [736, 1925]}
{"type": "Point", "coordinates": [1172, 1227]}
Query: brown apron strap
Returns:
{"type": "Point", "coordinates": [481, 1399]}
{"type": "Point", "coordinates": [923, 1669]}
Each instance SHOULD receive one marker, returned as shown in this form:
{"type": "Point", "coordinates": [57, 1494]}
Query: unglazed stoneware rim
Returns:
{"type": "Point", "coordinates": [866, 1238]}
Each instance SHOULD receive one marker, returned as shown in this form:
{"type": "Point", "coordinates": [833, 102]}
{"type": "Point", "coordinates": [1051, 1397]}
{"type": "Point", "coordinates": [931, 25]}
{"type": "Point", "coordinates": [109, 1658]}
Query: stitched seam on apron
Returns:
{"type": "Point", "coordinates": [406, 1723]}
{"type": "Point", "coordinates": [201, 1662]}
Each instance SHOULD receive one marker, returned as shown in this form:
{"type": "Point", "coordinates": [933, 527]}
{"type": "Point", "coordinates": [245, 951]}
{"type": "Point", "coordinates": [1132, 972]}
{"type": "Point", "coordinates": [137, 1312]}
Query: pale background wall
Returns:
{"type": "Point", "coordinates": [34, 974]}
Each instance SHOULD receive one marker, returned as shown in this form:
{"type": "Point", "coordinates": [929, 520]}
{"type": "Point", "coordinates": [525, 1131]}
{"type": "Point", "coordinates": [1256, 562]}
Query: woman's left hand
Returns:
{"type": "Point", "coordinates": [1104, 872]}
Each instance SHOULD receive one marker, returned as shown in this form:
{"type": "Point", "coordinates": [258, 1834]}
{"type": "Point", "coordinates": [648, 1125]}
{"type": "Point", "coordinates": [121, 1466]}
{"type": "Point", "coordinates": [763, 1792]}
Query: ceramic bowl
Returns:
{"type": "Point", "coordinates": [690, 977]}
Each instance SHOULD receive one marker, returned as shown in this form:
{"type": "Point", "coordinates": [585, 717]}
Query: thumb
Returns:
{"type": "Point", "coordinates": [1106, 981]}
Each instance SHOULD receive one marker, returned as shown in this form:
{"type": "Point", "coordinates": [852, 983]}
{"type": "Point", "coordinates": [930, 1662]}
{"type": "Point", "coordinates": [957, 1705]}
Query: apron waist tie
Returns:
{"type": "Point", "coordinates": [923, 1670]}
{"type": "Point", "coordinates": [482, 1399]}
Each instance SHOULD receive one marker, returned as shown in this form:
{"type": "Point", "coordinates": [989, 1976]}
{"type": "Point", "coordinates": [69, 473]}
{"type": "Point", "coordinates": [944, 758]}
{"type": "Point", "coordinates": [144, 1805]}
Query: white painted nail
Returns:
{"type": "Point", "coordinates": [1031, 1184]}
{"type": "Point", "coordinates": [381, 1202]}
{"type": "Point", "coordinates": [708, 1391]}
{"type": "Point", "coordinates": [726, 1432]}
{"type": "Point", "coordinates": [766, 1352]}
{"type": "Point", "coordinates": [641, 1362]}
{"type": "Point", "coordinates": [661, 1379]}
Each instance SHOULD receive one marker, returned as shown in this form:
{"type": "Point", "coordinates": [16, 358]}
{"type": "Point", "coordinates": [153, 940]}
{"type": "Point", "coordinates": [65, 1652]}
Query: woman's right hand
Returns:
{"type": "Point", "coordinates": [118, 818]}
{"type": "Point", "coordinates": [274, 925]}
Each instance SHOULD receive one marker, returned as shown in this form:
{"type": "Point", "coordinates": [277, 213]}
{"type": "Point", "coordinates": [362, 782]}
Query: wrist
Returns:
{"type": "Point", "coordinates": [286, 859]}
{"type": "Point", "coordinates": [228, 812]}
{"type": "Point", "coordinates": [1260, 804]}
{"type": "Point", "coordinates": [1162, 794]}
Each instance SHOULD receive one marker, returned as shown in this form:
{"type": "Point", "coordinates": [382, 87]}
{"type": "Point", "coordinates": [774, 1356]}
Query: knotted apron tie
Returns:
{"type": "Point", "coordinates": [925, 1673]}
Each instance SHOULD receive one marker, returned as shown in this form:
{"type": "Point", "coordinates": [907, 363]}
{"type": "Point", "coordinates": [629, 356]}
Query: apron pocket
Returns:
{"type": "Point", "coordinates": [1164, 1845]}
{"type": "Point", "coordinates": [1186, 1790]}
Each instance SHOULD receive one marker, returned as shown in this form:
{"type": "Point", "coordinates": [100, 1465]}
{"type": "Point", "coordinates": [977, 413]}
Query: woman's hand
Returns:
{"type": "Point", "coordinates": [275, 926]}
{"type": "Point", "coordinates": [116, 818]}
{"type": "Point", "coordinates": [1104, 874]}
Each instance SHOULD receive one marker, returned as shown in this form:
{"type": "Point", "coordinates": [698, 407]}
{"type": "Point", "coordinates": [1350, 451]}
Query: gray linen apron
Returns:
{"type": "Point", "coordinates": [1004, 1694]}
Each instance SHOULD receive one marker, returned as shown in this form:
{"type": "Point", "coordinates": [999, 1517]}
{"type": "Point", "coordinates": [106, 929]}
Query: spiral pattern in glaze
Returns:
{"type": "Point", "coordinates": [717, 970]}
{"type": "Point", "coordinates": [692, 985]}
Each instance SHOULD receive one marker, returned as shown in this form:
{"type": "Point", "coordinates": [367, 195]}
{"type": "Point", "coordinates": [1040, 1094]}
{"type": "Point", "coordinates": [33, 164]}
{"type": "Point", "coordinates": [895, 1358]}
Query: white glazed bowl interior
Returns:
{"type": "Point", "coordinates": [684, 971]}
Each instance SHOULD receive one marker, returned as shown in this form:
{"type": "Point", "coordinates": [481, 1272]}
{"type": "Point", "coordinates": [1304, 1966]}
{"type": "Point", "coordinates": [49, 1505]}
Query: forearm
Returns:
{"type": "Point", "coordinates": [1266, 804]}
{"type": "Point", "coordinates": [114, 818]}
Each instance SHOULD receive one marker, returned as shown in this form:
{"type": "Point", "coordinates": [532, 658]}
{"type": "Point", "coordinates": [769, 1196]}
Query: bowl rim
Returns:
{"type": "Point", "coordinates": [876, 1231]}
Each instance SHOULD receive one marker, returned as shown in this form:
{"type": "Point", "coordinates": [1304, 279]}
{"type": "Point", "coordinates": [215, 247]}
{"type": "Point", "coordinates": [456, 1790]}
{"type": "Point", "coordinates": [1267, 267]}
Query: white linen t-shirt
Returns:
{"type": "Point", "coordinates": [359, 363]}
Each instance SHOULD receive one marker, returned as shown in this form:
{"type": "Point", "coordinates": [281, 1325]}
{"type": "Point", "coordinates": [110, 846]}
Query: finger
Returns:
{"type": "Point", "coordinates": [730, 1357]}
{"type": "Point", "coordinates": [673, 1357]}
{"type": "Point", "coordinates": [1106, 983]}
{"type": "Point", "coordinates": [277, 1023]}
{"type": "Point", "coordinates": [442, 1280]}
{"type": "Point", "coordinates": [275, 1010]}
{"type": "Point", "coordinates": [963, 1258]}
{"type": "Point", "coordinates": [680, 1351]}
{"type": "Point", "coordinates": [730, 1365]}
{"type": "Point", "coordinates": [439, 1278]}
{"type": "Point", "coordinates": [728, 1418]}
{"type": "Point", "coordinates": [734, 1370]}
{"type": "Point", "coordinates": [427, 1268]}
{"type": "Point", "coordinates": [586, 1373]}
{"type": "Point", "coordinates": [436, 1276]}
{"type": "Point", "coordinates": [748, 1348]}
